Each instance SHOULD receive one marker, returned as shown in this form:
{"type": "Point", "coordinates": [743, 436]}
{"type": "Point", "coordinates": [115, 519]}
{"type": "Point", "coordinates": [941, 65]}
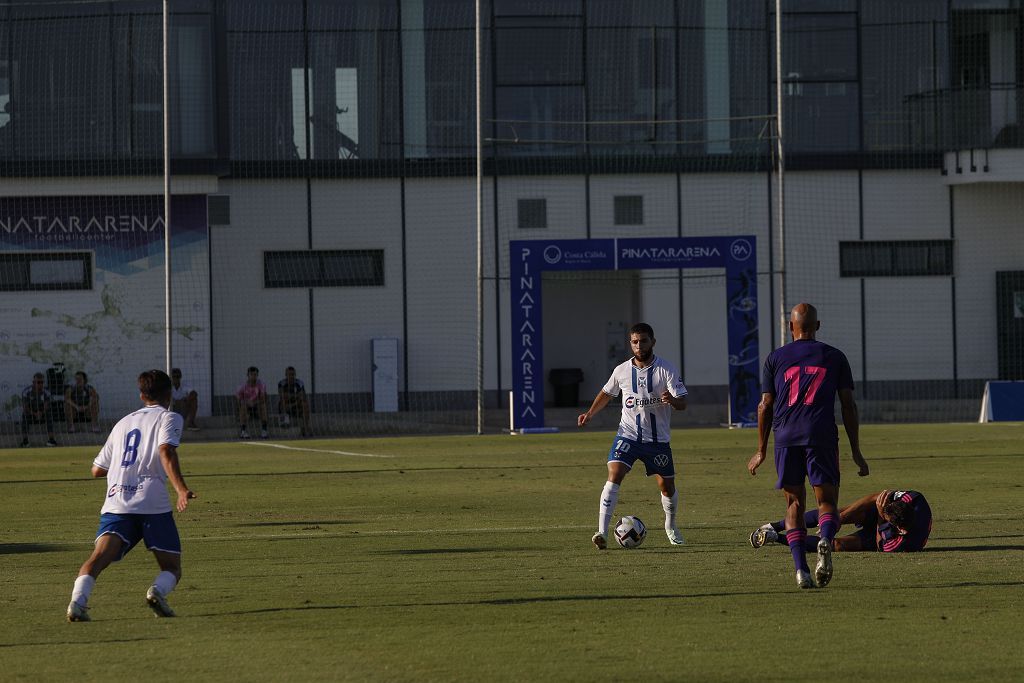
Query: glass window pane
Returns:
{"type": "Point", "coordinates": [56, 272]}
{"type": "Point", "coordinates": [821, 117]}
{"type": "Point", "coordinates": [531, 55]}
{"type": "Point", "coordinates": [355, 104]}
{"type": "Point", "coordinates": [264, 15]}
{"type": "Point", "coordinates": [267, 100]}
{"type": "Point", "coordinates": [537, 7]}
{"type": "Point", "coordinates": [539, 120]}
{"type": "Point", "coordinates": [818, 47]}
{"type": "Point", "coordinates": [327, 15]}
{"type": "Point", "coordinates": [621, 13]}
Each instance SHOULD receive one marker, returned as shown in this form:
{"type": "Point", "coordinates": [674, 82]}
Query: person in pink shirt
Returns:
{"type": "Point", "coordinates": [252, 402]}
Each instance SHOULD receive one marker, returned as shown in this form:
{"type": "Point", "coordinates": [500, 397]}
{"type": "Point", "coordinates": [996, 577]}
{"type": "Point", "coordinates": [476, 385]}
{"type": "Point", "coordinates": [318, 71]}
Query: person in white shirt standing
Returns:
{"type": "Point", "coordinates": [140, 455]}
{"type": "Point", "coordinates": [651, 389]}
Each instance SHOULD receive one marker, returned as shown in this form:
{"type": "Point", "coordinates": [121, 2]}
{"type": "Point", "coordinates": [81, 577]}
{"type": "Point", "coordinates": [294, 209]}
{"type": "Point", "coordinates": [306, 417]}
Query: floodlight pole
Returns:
{"type": "Point", "coordinates": [780, 206]}
{"type": "Point", "coordinates": [478, 37]}
{"type": "Point", "coordinates": [167, 190]}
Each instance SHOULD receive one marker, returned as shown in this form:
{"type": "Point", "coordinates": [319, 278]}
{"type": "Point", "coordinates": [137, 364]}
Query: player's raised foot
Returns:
{"type": "Point", "coordinates": [77, 613]}
{"type": "Point", "coordinates": [51, 442]}
{"type": "Point", "coordinates": [762, 535]}
{"type": "Point", "coordinates": [674, 537]}
{"type": "Point", "coordinates": [803, 579]}
{"type": "Point", "coordinates": [823, 570]}
{"type": "Point", "coordinates": [158, 603]}
{"type": "Point", "coordinates": [600, 542]}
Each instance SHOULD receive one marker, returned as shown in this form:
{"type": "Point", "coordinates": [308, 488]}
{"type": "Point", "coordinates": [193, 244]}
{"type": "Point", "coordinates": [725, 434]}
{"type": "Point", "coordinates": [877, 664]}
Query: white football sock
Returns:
{"type": "Point", "coordinates": [609, 497]}
{"type": "Point", "coordinates": [83, 589]}
{"type": "Point", "coordinates": [669, 506]}
{"type": "Point", "coordinates": [165, 582]}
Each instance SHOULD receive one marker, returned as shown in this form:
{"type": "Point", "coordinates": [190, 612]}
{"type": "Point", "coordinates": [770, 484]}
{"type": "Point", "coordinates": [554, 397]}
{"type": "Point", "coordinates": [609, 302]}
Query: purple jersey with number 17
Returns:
{"type": "Point", "coordinates": [804, 377]}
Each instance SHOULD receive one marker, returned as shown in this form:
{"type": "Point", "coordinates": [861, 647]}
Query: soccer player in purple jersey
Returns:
{"type": "Point", "coordinates": [798, 391]}
{"type": "Point", "coordinates": [890, 521]}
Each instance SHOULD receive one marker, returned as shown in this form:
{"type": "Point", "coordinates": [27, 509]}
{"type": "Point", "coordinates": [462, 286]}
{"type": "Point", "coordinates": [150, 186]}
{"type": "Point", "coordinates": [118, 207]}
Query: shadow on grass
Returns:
{"type": "Point", "coordinates": [444, 551]}
{"type": "Point", "coordinates": [298, 522]}
{"type": "Point", "coordinates": [89, 643]}
{"type": "Point", "coordinates": [30, 548]}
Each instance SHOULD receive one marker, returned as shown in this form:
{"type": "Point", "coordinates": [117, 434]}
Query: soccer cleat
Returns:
{"type": "Point", "coordinates": [286, 421]}
{"type": "Point", "coordinates": [803, 579]}
{"type": "Point", "coordinates": [158, 603]}
{"type": "Point", "coordinates": [77, 613]}
{"type": "Point", "coordinates": [51, 442]}
{"type": "Point", "coordinates": [823, 570]}
{"type": "Point", "coordinates": [243, 433]}
{"type": "Point", "coordinates": [264, 434]}
{"type": "Point", "coordinates": [192, 428]}
{"type": "Point", "coordinates": [674, 537]}
{"type": "Point", "coordinates": [24, 443]}
{"type": "Point", "coordinates": [763, 535]}
{"type": "Point", "coordinates": [600, 541]}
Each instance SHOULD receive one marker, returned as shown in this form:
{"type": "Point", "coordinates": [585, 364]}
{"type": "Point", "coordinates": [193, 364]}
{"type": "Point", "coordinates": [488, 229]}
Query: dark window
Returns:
{"type": "Point", "coordinates": [218, 209]}
{"type": "Point", "coordinates": [896, 259]}
{"type": "Point", "coordinates": [347, 268]}
{"type": "Point", "coordinates": [42, 271]}
{"type": "Point", "coordinates": [629, 210]}
{"type": "Point", "coordinates": [533, 213]}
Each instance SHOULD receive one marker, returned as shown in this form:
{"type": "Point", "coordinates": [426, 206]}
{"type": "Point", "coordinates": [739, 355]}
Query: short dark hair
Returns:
{"type": "Point", "coordinates": [642, 328]}
{"type": "Point", "coordinates": [289, 368]}
{"type": "Point", "coordinates": [175, 372]}
{"type": "Point", "coordinates": [154, 385]}
{"type": "Point", "coordinates": [253, 368]}
{"type": "Point", "coordinates": [900, 514]}
{"type": "Point", "coordinates": [38, 375]}
{"type": "Point", "coordinates": [85, 377]}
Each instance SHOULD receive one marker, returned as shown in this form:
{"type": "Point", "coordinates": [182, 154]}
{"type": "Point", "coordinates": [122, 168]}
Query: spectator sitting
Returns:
{"type": "Point", "coordinates": [292, 400]}
{"type": "Point", "coordinates": [184, 400]}
{"type": "Point", "coordinates": [81, 403]}
{"type": "Point", "coordinates": [252, 402]}
{"type": "Point", "coordinates": [36, 409]}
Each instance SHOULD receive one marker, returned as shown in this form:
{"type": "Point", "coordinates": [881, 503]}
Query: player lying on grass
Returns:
{"type": "Point", "coordinates": [888, 521]}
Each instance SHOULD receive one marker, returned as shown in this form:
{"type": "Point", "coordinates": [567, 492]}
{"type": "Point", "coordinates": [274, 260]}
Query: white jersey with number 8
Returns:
{"type": "Point", "coordinates": [136, 480]}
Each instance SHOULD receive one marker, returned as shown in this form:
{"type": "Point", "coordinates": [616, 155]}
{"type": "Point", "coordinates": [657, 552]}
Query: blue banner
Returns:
{"type": "Point", "coordinates": [530, 258]}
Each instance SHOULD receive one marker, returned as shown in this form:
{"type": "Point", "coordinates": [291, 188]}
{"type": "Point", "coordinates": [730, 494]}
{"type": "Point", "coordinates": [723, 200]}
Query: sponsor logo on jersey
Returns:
{"type": "Point", "coordinates": [637, 402]}
{"type": "Point", "coordinates": [123, 488]}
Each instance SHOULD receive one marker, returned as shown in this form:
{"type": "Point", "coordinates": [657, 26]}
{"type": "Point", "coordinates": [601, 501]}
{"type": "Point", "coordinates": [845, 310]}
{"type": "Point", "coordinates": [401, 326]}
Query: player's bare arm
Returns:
{"type": "Point", "coordinates": [765, 412]}
{"type": "Point", "coordinates": [677, 402]}
{"type": "Point", "coordinates": [860, 510]}
{"type": "Point", "coordinates": [600, 401]}
{"type": "Point", "coordinates": [851, 423]}
{"type": "Point", "coordinates": [169, 457]}
{"type": "Point", "coordinates": [98, 471]}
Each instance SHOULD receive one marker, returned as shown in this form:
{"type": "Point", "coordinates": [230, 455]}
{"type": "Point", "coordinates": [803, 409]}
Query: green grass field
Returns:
{"type": "Point", "coordinates": [469, 558]}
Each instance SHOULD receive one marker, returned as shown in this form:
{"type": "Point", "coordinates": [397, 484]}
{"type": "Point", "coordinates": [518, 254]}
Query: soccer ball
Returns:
{"type": "Point", "coordinates": [630, 532]}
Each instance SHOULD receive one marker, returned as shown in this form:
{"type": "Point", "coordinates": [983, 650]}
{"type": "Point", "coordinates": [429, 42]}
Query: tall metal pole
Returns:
{"type": "Point", "coordinates": [783, 318]}
{"type": "Point", "coordinates": [478, 35]}
{"type": "Point", "coordinates": [168, 360]}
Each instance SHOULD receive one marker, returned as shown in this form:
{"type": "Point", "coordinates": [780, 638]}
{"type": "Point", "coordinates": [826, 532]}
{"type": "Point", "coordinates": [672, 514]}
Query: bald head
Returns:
{"type": "Point", "coordinates": [803, 321]}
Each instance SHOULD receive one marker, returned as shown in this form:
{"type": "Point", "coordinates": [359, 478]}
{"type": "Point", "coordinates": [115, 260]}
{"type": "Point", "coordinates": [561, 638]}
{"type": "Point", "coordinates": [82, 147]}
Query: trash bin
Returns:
{"type": "Point", "coordinates": [566, 382]}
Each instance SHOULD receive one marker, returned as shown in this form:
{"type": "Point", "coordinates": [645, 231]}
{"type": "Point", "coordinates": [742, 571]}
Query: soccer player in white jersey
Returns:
{"type": "Point", "coordinates": [140, 455]}
{"type": "Point", "coordinates": [651, 389]}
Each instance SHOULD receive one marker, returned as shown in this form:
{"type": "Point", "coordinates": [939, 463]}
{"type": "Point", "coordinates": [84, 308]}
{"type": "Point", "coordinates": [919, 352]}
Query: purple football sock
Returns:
{"type": "Point", "coordinates": [795, 538]}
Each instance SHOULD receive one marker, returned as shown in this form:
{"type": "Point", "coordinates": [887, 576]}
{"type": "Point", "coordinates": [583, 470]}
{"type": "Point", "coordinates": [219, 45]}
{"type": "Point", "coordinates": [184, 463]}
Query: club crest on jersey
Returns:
{"type": "Point", "coordinates": [641, 381]}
